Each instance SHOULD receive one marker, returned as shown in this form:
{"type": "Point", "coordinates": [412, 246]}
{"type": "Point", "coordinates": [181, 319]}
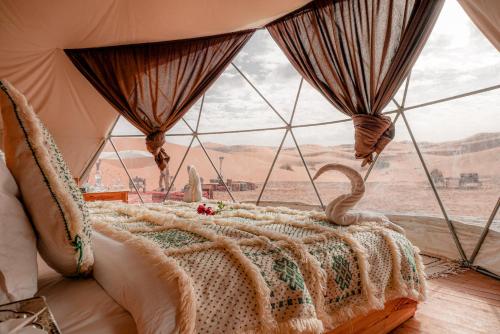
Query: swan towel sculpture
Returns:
{"type": "Point", "coordinates": [337, 211]}
{"type": "Point", "coordinates": [193, 189]}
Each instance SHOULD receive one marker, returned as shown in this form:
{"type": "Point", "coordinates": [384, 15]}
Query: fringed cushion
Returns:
{"type": "Point", "coordinates": [51, 197]}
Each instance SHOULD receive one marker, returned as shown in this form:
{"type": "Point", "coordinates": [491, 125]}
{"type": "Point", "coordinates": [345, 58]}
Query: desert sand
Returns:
{"type": "Point", "coordinates": [397, 184]}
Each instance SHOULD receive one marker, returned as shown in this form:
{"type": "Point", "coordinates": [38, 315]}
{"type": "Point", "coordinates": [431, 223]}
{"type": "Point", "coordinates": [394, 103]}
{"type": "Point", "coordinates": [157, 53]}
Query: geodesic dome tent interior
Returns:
{"type": "Point", "coordinates": [264, 130]}
{"type": "Point", "coordinates": [262, 124]}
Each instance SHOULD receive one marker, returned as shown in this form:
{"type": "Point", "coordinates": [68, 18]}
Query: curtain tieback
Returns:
{"type": "Point", "coordinates": [371, 134]}
{"type": "Point", "coordinates": [154, 144]}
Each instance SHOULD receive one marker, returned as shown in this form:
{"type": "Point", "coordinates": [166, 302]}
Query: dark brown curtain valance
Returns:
{"type": "Point", "coordinates": [153, 85]}
{"type": "Point", "coordinates": [357, 54]}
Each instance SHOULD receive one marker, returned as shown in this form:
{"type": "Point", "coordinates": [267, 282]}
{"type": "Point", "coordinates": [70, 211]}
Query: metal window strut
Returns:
{"type": "Point", "coordinates": [451, 227]}
{"type": "Point", "coordinates": [298, 147]}
{"type": "Point", "coordinates": [90, 163]}
{"type": "Point", "coordinates": [258, 92]}
{"type": "Point", "coordinates": [289, 129]}
{"type": "Point", "coordinates": [271, 168]}
{"type": "Point", "coordinates": [484, 233]}
{"type": "Point", "coordinates": [195, 135]}
{"type": "Point", "coordinates": [179, 168]}
{"type": "Point", "coordinates": [215, 169]}
{"type": "Point", "coordinates": [187, 150]}
{"type": "Point", "coordinates": [126, 170]}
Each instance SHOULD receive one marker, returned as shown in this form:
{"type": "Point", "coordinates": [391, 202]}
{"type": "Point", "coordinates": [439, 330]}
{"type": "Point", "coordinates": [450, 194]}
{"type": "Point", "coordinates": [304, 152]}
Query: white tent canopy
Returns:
{"type": "Point", "coordinates": [34, 34]}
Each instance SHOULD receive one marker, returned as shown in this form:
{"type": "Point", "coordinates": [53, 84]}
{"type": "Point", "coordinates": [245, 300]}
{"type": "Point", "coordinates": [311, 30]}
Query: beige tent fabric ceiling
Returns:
{"type": "Point", "coordinates": [34, 33]}
{"type": "Point", "coordinates": [486, 15]}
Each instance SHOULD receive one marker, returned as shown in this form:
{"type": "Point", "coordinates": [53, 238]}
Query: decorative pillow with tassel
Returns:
{"type": "Point", "coordinates": [50, 195]}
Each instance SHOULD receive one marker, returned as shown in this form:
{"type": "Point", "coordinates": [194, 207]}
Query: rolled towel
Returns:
{"type": "Point", "coordinates": [193, 191]}
{"type": "Point", "coordinates": [337, 211]}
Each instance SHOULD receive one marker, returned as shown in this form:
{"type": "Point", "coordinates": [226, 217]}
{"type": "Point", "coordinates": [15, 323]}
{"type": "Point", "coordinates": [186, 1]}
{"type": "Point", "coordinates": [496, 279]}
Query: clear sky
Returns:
{"type": "Point", "coordinates": [457, 59]}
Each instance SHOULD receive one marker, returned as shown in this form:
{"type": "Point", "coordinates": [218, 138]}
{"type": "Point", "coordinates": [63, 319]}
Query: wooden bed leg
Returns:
{"type": "Point", "coordinates": [383, 321]}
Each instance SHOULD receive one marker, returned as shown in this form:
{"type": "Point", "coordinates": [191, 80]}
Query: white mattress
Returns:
{"type": "Point", "coordinates": [82, 306]}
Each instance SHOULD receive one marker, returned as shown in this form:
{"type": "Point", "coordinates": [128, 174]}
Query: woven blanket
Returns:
{"type": "Point", "coordinates": [255, 269]}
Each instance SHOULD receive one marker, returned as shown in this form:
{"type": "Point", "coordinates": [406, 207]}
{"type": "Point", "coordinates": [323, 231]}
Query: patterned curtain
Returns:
{"type": "Point", "coordinates": [357, 53]}
{"type": "Point", "coordinates": [153, 85]}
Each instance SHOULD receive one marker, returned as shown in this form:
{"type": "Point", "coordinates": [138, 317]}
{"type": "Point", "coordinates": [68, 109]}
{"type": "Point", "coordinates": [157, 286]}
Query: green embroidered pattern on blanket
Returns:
{"type": "Point", "coordinates": [409, 264]}
{"type": "Point", "coordinates": [287, 301]}
{"type": "Point", "coordinates": [127, 225]}
{"type": "Point", "coordinates": [289, 273]}
{"type": "Point", "coordinates": [343, 275]}
{"type": "Point", "coordinates": [260, 235]}
{"type": "Point", "coordinates": [172, 238]}
{"type": "Point", "coordinates": [343, 281]}
{"type": "Point", "coordinates": [230, 232]}
{"type": "Point", "coordinates": [289, 230]}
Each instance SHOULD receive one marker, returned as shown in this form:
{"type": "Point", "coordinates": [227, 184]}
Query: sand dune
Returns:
{"type": "Point", "coordinates": [397, 178]}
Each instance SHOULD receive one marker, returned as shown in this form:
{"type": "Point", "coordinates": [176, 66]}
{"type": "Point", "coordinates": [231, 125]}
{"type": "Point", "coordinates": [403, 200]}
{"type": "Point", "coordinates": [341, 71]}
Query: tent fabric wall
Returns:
{"type": "Point", "coordinates": [34, 33]}
{"type": "Point", "coordinates": [486, 15]}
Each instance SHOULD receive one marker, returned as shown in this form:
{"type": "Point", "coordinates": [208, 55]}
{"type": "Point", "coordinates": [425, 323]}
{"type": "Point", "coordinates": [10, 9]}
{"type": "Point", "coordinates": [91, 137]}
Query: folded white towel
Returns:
{"type": "Point", "coordinates": [337, 211]}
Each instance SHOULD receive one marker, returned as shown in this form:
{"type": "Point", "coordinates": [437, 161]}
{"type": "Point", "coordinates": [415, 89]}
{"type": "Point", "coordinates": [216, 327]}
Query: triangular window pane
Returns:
{"type": "Point", "coordinates": [108, 174]}
{"type": "Point", "coordinates": [487, 257]}
{"type": "Point", "coordinates": [243, 160]}
{"type": "Point", "coordinates": [177, 147]}
{"type": "Point", "coordinates": [180, 128]}
{"type": "Point", "coordinates": [399, 188]}
{"type": "Point", "coordinates": [457, 59]}
{"type": "Point", "coordinates": [289, 183]}
{"type": "Point", "coordinates": [232, 104]}
{"type": "Point", "coordinates": [209, 179]}
{"type": "Point", "coordinates": [460, 142]}
{"type": "Point", "coordinates": [191, 117]}
{"type": "Point", "coordinates": [312, 107]}
{"type": "Point", "coordinates": [267, 67]}
{"type": "Point", "coordinates": [124, 128]}
{"type": "Point", "coordinates": [140, 165]}
{"type": "Point", "coordinates": [397, 183]}
{"type": "Point", "coordinates": [333, 143]}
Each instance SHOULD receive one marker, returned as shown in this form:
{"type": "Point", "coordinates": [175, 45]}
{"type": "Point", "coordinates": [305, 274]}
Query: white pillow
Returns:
{"type": "Point", "coordinates": [50, 195]}
{"type": "Point", "coordinates": [18, 265]}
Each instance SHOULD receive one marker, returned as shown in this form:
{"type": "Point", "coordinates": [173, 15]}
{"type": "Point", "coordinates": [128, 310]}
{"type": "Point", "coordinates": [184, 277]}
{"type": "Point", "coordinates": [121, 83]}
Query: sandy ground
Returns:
{"type": "Point", "coordinates": [397, 183]}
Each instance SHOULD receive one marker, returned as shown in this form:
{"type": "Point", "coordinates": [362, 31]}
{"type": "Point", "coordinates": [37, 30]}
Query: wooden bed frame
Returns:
{"type": "Point", "coordinates": [106, 196]}
{"type": "Point", "coordinates": [383, 321]}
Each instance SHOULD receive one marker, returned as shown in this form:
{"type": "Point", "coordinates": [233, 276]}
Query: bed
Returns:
{"type": "Point", "coordinates": [136, 288]}
{"type": "Point", "coordinates": [169, 268]}
{"type": "Point", "coordinates": [92, 310]}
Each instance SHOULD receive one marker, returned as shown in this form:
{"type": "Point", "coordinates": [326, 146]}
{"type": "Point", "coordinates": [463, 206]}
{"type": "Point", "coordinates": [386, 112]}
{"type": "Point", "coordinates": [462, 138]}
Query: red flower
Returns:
{"type": "Point", "coordinates": [209, 211]}
{"type": "Point", "coordinates": [201, 209]}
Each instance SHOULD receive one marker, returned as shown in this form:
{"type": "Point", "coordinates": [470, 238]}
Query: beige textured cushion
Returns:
{"type": "Point", "coordinates": [50, 195]}
{"type": "Point", "coordinates": [18, 265]}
